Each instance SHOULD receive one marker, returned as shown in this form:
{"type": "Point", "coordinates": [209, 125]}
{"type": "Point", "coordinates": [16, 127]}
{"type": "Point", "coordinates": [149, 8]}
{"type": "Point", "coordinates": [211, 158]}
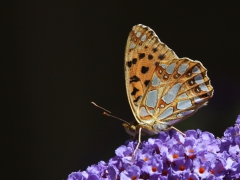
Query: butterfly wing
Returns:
{"type": "Point", "coordinates": [143, 46]}
{"type": "Point", "coordinates": [162, 89]}
{"type": "Point", "coordinates": [178, 88]}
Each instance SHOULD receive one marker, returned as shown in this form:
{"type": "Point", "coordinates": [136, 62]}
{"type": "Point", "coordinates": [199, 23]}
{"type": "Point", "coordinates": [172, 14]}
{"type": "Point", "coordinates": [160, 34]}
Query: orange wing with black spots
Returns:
{"type": "Point", "coordinates": [144, 51]}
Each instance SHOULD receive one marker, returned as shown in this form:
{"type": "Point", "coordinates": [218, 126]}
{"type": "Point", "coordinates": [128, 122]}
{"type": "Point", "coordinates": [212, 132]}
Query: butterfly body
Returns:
{"type": "Point", "coordinates": [162, 89]}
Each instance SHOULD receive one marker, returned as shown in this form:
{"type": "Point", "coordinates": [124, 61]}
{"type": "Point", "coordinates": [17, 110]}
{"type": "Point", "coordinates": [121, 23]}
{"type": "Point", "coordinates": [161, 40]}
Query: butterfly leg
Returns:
{"type": "Point", "coordinates": [171, 127]}
{"type": "Point", "coordinates": [139, 141]}
{"type": "Point", "coordinates": [133, 136]}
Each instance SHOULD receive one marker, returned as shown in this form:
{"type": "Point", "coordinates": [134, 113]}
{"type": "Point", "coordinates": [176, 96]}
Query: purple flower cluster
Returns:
{"type": "Point", "coordinates": [199, 155]}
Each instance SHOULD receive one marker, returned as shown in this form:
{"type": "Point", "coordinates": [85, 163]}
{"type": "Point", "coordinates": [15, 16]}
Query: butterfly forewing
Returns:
{"type": "Point", "coordinates": [143, 46]}
{"type": "Point", "coordinates": [162, 89]}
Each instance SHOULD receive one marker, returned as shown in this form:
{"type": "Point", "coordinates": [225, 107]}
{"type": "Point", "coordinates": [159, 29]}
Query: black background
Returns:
{"type": "Point", "coordinates": [57, 57]}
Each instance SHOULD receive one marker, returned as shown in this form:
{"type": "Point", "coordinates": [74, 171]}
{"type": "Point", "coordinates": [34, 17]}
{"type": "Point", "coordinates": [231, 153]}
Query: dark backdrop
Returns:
{"type": "Point", "coordinates": [57, 57]}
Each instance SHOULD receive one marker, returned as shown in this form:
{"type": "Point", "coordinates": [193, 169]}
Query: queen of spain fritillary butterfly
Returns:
{"type": "Point", "coordinates": [162, 89]}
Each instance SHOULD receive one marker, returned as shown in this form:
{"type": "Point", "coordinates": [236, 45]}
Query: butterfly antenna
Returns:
{"type": "Point", "coordinates": [115, 117]}
{"type": "Point", "coordinates": [100, 107]}
{"type": "Point", "coordinates": [109, 112]}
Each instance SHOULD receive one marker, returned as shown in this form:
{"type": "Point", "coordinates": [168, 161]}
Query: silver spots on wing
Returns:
{"type": "Point", "coordinates": [170, 68]}
{"type": "Point", "coordinates": [138, 34]}
{"type": "Point", "coordinates": [198, 79]}
{"type": "Point", "coordinates": [185, 113]}
{"type": "Point", "coordinates": [203, 87]}
{"type": "Point", "coordinates": [182, 68]}
{"type": "Point", "coordinates": [160, 127]}
{"type": "Point", "coordinates": [184, 104]}
{"type": "Point", "coordinates": [197, 99]}
{"type": "Point", "coordinates": [156, 80]}
{"type": "Point", "coordinates": [132, 45]}
{"type": "Point", "coordinates": [166, 113]}
{"type": "Point", "coordinates": [151, 111]}
{"type": "Point", "coordinates": [143, 38]}
{"type": "Point", "coordinates": [172, 93]}
{"type": "Point", "coordinates": [152, 98]}
{"type": "Point", "coordinates": [164, 66]}
{"type": "Point", "coordinates": [143, 112]}
{"type": "Point", "coordinates": [196, 70]}
{"type": "Point", "coordinates": [171, 122]}
{"type": "Point", "coordinates": [184, 95]}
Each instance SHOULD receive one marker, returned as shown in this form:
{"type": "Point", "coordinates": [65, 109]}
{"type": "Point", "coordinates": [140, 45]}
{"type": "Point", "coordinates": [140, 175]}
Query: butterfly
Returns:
{"type": "Point", "coordinates": [162, 89]}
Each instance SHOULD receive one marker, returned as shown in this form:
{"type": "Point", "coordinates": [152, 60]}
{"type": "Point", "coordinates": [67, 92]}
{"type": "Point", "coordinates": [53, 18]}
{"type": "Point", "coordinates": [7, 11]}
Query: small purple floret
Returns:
{"type": "Point", "coordinates": [199, 155]}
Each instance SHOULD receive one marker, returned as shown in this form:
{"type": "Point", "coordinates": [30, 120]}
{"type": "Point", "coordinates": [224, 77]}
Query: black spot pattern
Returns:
{"type": "Point", "coordinates": [134, 60]}
{"type": "Point", "coordinates": [154, 50]}
{"type": "Point", "coordinates": [189, 74]}
{"type": "Point", "coordinates": [141, 55]}
{"type": "Point", "coordinates": [144, 69]}
{"type": "Point", "coordinates": [177, 75]}
{"type": "Point", "coordinates": [197, 89]}
{"type": "Point", "coordinates": [129, 63]}
{"type": "Point", "coordinates": [146, 82]}
{"type": "Point", "coordinates": [134, 79]}
{"type": "Point", "coordinates": [161, 56]}
{"type": "Point", "coordinates": [191, 82]}
{"type": "Point", "coordinates": [150, 57]}
{"type": "Point", "coordinates": [204, 95]}
{"type": "Point", "coordinates": [165, 77]}
{"type": "Point", "coordinates": [136, 100]}
{"type": "Point", "coordinates": [135, 90]}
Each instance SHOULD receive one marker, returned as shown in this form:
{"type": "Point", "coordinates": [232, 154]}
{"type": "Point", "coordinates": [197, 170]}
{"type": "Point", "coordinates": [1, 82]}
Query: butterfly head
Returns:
{"type": "Point", "coordinates": [147, 129]}
{"type": "Point", "coordinates": [130, 129]}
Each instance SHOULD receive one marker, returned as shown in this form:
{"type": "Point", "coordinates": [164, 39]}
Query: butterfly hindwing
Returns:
{"type": "Point", "coordinates": [176, 91]}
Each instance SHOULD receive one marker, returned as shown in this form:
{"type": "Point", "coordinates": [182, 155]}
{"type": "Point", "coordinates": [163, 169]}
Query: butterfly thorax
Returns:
{"type": "Point", "coordinates": [132, 130]}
